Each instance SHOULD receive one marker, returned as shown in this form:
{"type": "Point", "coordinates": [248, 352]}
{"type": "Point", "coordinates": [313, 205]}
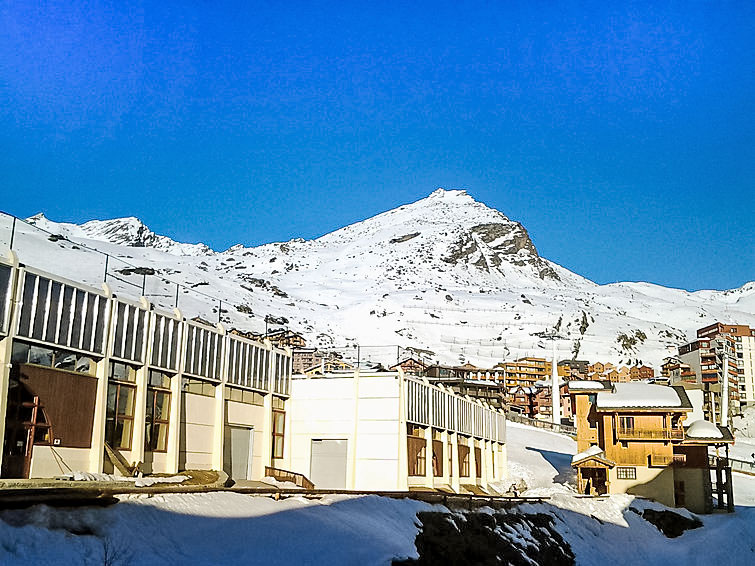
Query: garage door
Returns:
{"type": "Point", "coordinates": [328, 466]}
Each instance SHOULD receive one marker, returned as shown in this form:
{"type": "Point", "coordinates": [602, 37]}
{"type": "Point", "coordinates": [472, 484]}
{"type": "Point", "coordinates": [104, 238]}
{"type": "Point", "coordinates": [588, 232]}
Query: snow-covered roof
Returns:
{"type": "Point", "coordinates": [639, 395]}
{"type": "Point", "coordinates": [586, 384]}
{"type": "Point", "coordinates": [592, 451]}
{"type": "Point", "coordinates": [703, 429]}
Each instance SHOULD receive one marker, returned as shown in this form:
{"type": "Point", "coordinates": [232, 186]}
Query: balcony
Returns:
{"type": "Point", "coordinates": [623, 433]}
{"type": "Point", "coordinates": [660, 461]}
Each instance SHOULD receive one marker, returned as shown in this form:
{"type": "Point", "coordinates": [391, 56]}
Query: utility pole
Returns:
{"type": "Point", "coordinates": [725, 391]}
{"type": "Point", "coordinates": [555, 388]}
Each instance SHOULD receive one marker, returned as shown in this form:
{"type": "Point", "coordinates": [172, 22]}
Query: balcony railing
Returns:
{"type": "Point", "coordinates": [650, 433]}
{"type": "Point", "coordinates": [657, 460]}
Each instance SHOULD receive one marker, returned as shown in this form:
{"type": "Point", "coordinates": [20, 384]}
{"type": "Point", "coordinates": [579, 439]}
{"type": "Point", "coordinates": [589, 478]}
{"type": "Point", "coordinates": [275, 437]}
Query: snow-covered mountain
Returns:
{"type": "Point", "coordinates": [125, 231]}
{"type": "Point", "coordinates": [445, 274]}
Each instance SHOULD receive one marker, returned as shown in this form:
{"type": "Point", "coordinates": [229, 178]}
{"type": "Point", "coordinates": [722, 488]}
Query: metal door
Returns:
{"type": "Point", "coordinates": [237, 453]}
{"type": "Point", "coordinates": [328, 464]}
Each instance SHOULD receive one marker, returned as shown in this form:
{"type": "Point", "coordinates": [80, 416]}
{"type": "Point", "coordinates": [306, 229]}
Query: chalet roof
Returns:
{"type": "Point", "coordinates": [643, 396]}
{"type": "Point", "coordinates": [410, 359]}
{"type": "Point", "coordinates": [593, 453]}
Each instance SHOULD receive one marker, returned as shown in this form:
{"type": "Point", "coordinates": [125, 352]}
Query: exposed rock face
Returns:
{"type": "Point", "coordinates": [488, 245]}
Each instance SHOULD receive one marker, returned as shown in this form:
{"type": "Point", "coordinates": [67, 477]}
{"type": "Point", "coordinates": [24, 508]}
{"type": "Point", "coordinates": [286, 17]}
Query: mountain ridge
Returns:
{"type": "Point", "coordinates": [445, 273]}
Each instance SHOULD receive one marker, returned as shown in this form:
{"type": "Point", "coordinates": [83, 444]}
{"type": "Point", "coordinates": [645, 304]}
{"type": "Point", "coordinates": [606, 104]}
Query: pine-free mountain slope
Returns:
{"type": "Point", "coordinates": [446, 274]}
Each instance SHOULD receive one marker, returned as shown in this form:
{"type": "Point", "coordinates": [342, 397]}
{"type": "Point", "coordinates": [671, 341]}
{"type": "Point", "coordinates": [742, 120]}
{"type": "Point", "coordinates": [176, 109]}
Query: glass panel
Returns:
{"type": "Point", "coordinates": [123, 433]}
{"type": "Point", "coordinates": [126, 400]}
{"type": "Point", "coordinates": [20, 353]}
{"type": "Point", "coordinates": [84, 364]}
{"type": "Point", "coordinates": [65, 360]}
{"type": "Point", "coordinates": [162, 405]}
{"type": "Point", "coordinates": [40, 356]}
{"type": "Point", "coordinates": [278, 447]}
{"type": "Point", "coordinates": [279, 420]}
{"type": "Point", "coordinates": [119, 371]}
{"type": "Point", "coordinates": [112, 392]}
{"type": "Point", "coordinates": [161, 433]}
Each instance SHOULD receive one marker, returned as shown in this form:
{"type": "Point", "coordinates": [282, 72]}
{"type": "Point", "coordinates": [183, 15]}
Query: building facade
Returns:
{"type": "Point", "coordinates": [706, 358]}
{"type": "Point", "coordinates": [94, 382]}
{"type": "Point", "coordinates": [633, 438]}
{"type": "Point", "coordinates": [390, 431]}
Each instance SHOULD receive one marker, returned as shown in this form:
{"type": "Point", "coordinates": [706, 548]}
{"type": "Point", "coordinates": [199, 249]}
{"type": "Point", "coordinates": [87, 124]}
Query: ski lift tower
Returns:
{"type": "Point", "coordinates": [555, 389]}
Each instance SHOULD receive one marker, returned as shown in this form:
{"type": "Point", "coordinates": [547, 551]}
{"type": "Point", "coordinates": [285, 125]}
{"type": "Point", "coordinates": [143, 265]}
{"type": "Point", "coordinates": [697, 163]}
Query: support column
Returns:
{"type": "Point", "coordinates": [176, 392]}
{"type": "Point", "coordinates": [402, 471]}
{"type": "Point", "coordinates": [6, 345]}
{"type": "Point", "coordinates": [352, 450]}
{"type": "Point", "coordinates": [101, 372]}
{"type": "Point", "coordinates": [138, 434]}
{"type": "Point", "coordinates": [455, 482]}
{"type": "Point", "coordinates": [218, 431]}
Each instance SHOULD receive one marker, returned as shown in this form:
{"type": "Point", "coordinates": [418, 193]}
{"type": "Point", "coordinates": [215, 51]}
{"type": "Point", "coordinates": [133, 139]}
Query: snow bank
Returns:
{"type": "Point", "coordinates": [214, 528]}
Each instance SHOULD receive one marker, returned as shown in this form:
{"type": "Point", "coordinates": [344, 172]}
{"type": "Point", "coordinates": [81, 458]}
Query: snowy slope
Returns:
{"type": "Point", "coordinates": [230, 528]}
{"type": "Point", "coordinates": [445, 274]}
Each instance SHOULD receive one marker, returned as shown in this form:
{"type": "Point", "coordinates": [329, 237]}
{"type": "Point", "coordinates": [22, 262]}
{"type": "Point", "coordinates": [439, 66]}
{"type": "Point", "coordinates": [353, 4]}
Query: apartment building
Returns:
{"type": "Point", "coordinates": [391, 431]}
{"type": "Point", "coordinates": [634, 438]}
{"type": "Point", "coordinates": [93, 382]}
{"type": "Point", "coordinates": [526, 371]}
{"type": "Point", "coordinates": [744, 355]}
{"type": "Point", "coordinates": [705, 358]}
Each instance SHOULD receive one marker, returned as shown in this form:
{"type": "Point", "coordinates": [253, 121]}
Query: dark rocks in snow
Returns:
{"type": "Point", "coordinates": [403, 238]}
{"type": "Point", "coordinates": [518, 539]}
{"type": "Point", "coordinates": [669, 523]}
{"type": "Point", "coordinates": [136, 271]}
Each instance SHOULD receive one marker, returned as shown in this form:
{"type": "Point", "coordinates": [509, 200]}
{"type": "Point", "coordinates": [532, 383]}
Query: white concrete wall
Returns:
{"type": "Point", "coordinates": [326, 409]}
{"type": "Point", "coordinates": [197, 423]}
{"type": "Point", "coordinates": [45, 465]}
{"type": "Point", "coordinates": [244, 414]}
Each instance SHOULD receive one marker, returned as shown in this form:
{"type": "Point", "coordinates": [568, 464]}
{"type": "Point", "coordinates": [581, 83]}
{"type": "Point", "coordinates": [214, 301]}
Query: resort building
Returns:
{"type": "Point", "coordinates": [706, 358]}
{"type": "Point", "coordinates": [743, 355]}
{"type": "Point", "coordinates": [634, 438]}
{"type": "Point", "coordinates": [391, 431]}
{"type": "Point", "coordinates": [93, 382]}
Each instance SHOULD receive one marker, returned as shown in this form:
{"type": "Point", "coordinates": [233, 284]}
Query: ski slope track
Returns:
{"type": "Point", "coordinates": [446, 274]}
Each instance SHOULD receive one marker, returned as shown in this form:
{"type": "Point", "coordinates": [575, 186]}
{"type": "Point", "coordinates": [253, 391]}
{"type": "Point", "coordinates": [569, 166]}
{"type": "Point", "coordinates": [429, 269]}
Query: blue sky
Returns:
{"type": "Point", "coordinates": [619, 134]}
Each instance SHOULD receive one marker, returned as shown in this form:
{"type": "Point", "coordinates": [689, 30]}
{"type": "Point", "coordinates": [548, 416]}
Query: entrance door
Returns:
{"type": "Point", "coordinates": [25, 423]}
{"type": "Point", "coordinates": [237, 452]}
{"type": "Point", "coordinates": [328, 464]}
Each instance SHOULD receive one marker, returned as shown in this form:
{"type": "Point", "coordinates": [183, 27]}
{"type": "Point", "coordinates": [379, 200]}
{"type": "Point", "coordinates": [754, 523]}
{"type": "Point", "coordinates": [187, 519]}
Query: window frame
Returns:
{"type": "Point", "coordinates": [151, 440]}
{"type": "Point", "coordinates": [626, 473]}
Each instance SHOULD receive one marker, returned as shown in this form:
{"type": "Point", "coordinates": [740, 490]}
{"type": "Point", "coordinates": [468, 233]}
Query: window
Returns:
{"type": "Point", "coordinates": [244, 396]}
{"type": "Point", "coordinates": [158, 412]}
{"type": "Point", "coordinates": [626, 423]}
{"type": "Point", "coordinates": [198, 386]}
{"type": "Point", "coordinates": [279, 421]}
{"type": "Point", "coordinates": [58, 359]}
{"type": "Point", "coordinates": [463, 460]}
{"type": "Point", "coordinates": [119, 419]}
{"type": "Point", "coordinates": [626, 473]}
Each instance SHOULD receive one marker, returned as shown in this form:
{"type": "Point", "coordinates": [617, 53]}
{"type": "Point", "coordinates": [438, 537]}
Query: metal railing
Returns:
{"type": "Point", "coordinates": [555, 427]}
{"type": "Point", "coordinates": [741, 466]}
